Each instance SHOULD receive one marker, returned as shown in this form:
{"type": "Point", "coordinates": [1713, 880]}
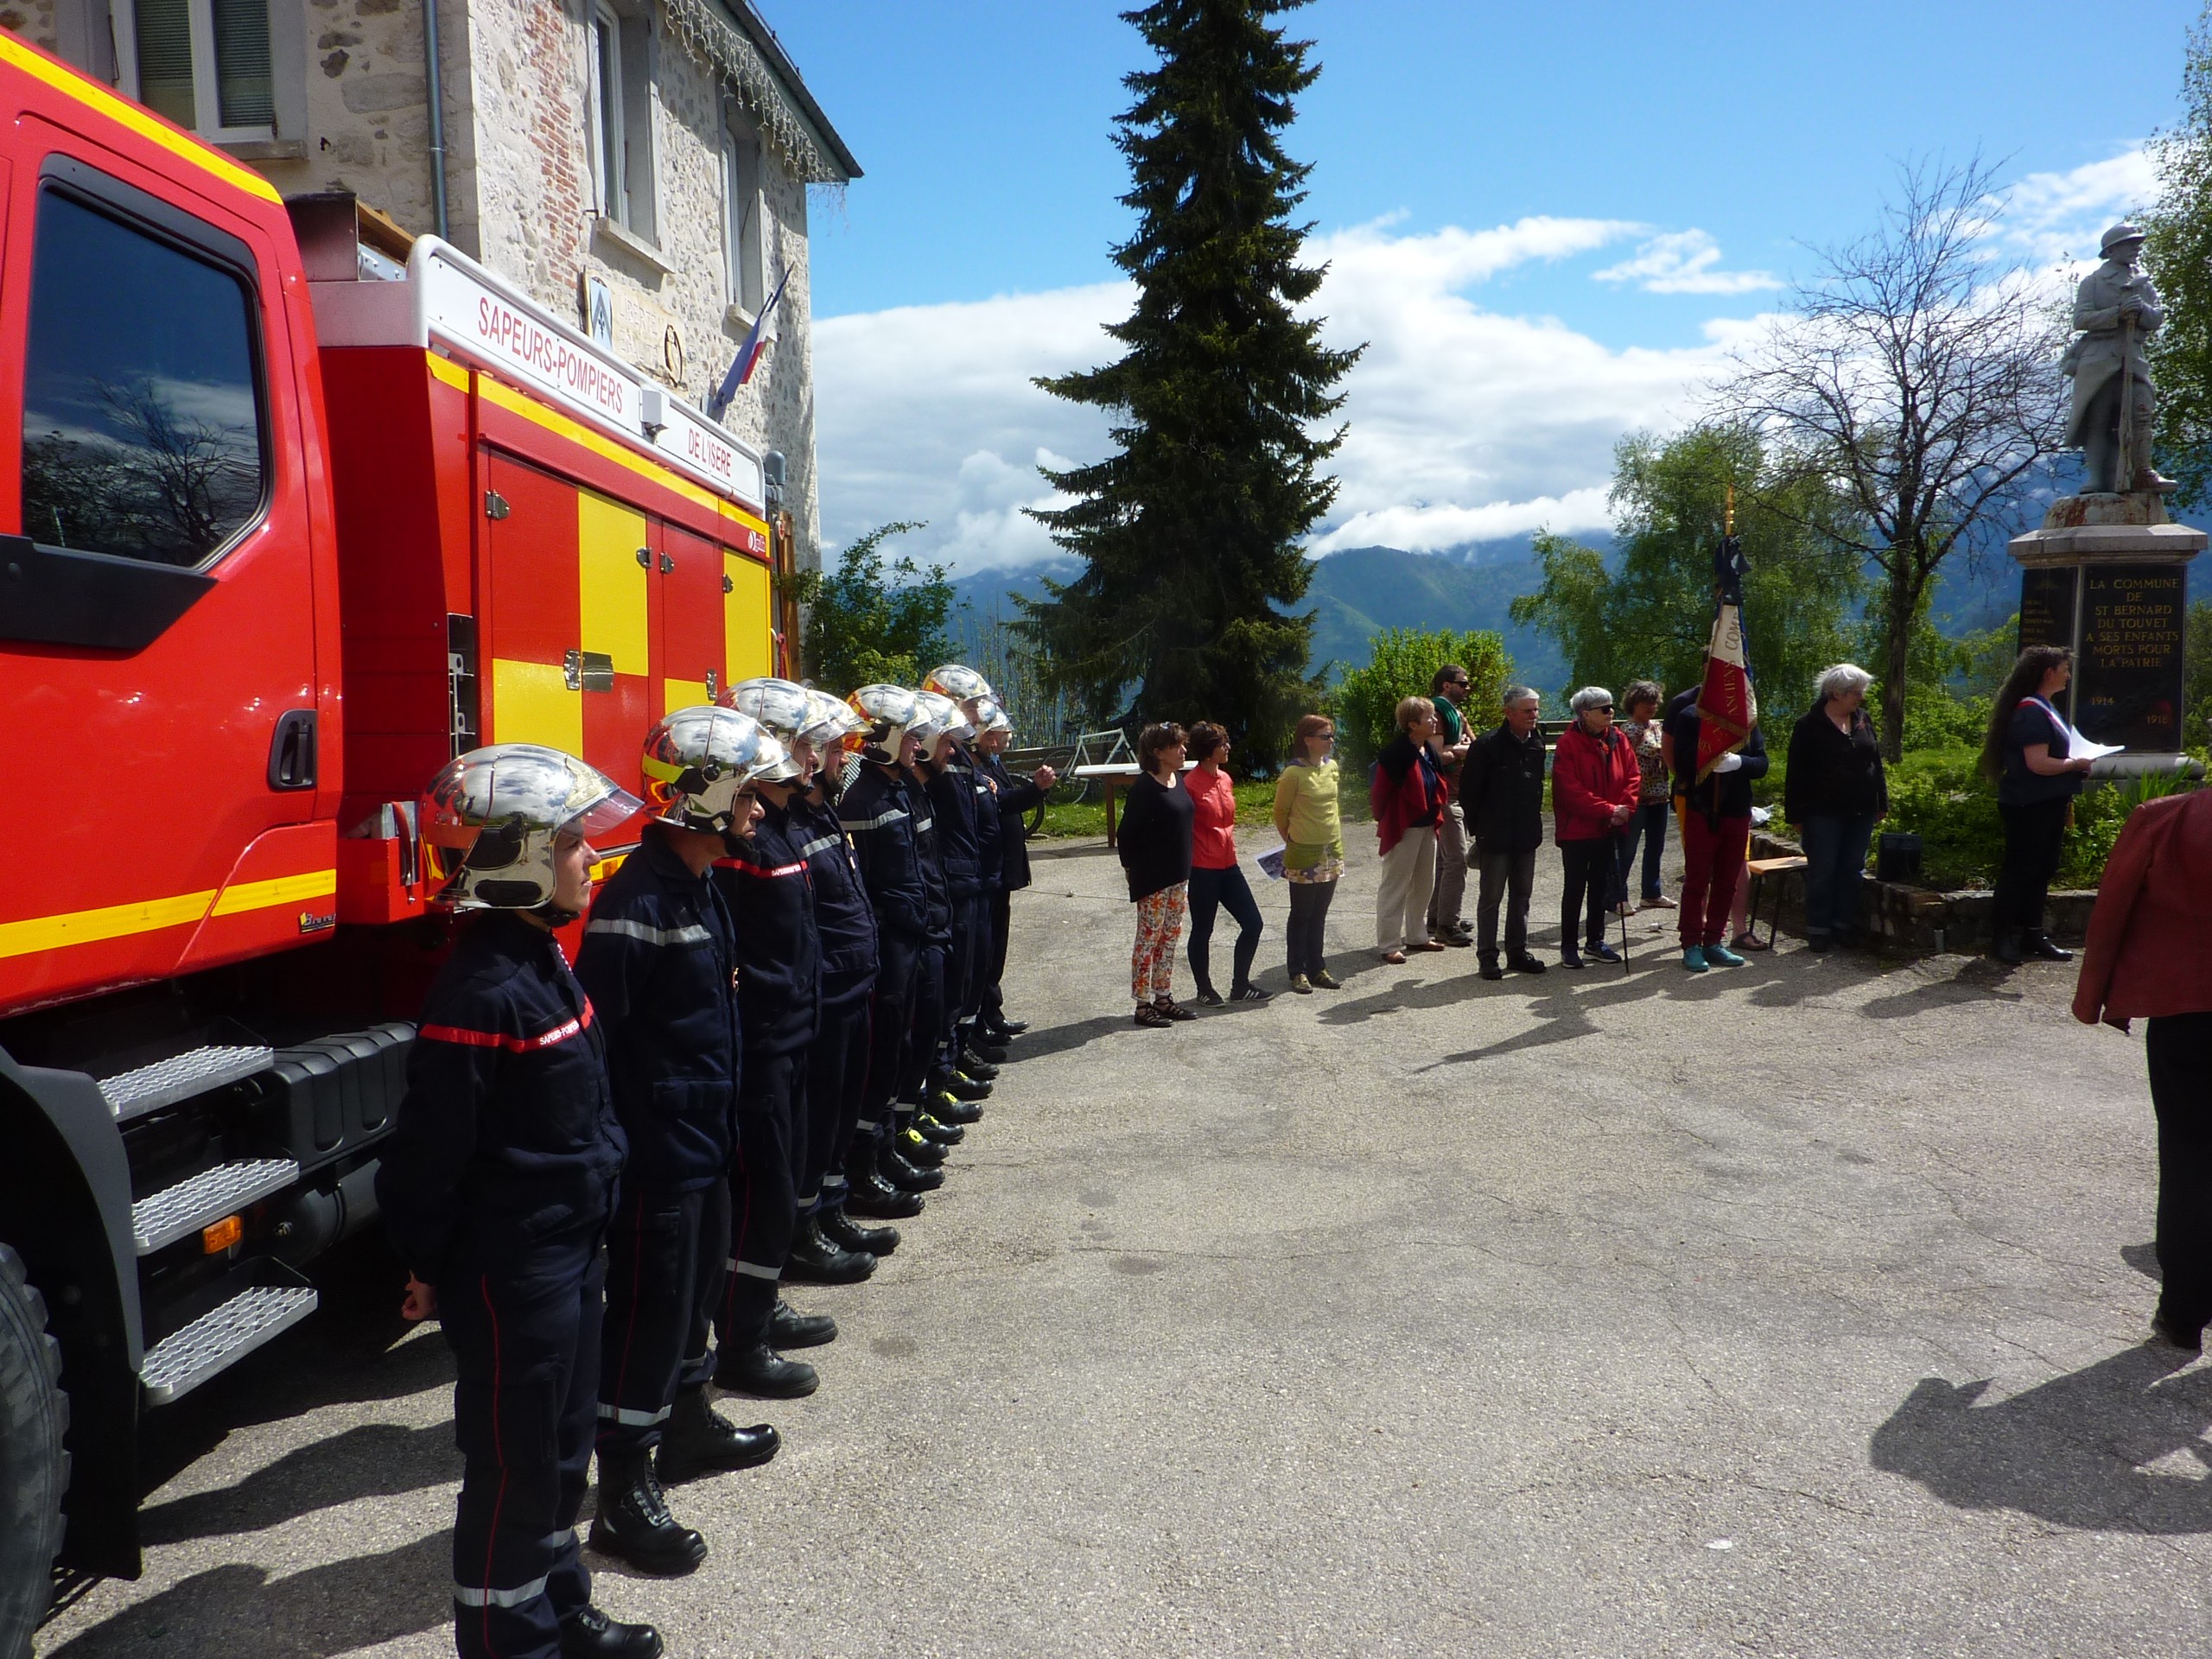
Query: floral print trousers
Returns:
{"type": "Point", "coordinates": [1160, 926]}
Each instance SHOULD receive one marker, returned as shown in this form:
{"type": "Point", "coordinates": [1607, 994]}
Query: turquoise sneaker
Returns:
{"type": "Point", "coordinates": [1694, 958]}
{"type": "Point", "coordinates": [1721, 956]}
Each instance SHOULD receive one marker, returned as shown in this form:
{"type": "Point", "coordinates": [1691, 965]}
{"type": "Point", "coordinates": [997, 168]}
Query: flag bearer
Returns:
{"type": "Point", "coordinates": [763, 880]}
{"type": "Point", "coordinates": [877, 813]}
{"type": "Point", "coordinates": [838, 1060]}
{"type": "Point", "coordinates": [496, 1183]}
{"type": "Point", "coordinates": [658, 960]}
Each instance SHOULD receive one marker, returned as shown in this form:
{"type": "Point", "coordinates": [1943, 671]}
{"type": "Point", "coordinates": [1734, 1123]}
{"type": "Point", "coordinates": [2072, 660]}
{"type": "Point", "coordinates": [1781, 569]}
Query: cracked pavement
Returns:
{"type": "Point", "coordinates": [1791, 1310]}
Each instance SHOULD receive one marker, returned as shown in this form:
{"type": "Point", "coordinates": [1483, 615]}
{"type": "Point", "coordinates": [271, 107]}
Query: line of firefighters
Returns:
{"type": "Point", "coordinates": [784, 1008]}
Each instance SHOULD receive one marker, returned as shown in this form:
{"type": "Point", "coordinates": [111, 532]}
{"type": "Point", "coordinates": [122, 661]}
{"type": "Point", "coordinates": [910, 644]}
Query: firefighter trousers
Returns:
{"type": "Point", "coordinates": [836, 1076]}
{"type": "Point", "coordinates": [889, 1013]}
{"type": "Point", "coordinates": [524, 1331]}
{"type": "Point", "coordinates": [664, 1267]}
{"type": "Point", "coordinates": [763, 1198]}
{"type": "Point", "coordinates": [998, 904]}
{"type": "Point", "coordinates": [925, 1030]}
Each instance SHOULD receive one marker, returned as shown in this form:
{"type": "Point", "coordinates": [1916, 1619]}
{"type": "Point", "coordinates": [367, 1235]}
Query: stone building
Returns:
{"type": "Point", "coordinates": [653, 156]}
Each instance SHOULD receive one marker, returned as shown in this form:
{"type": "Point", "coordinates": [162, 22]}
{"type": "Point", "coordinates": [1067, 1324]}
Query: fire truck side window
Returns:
{"type": "Point", "coordinates": [142, 418]}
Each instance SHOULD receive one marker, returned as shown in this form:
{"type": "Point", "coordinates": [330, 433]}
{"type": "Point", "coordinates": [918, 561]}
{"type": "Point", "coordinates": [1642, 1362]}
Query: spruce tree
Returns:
{"type": "Point", "coordinates": [1187, 606]}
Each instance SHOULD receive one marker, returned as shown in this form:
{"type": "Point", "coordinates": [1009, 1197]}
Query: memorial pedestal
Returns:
{"type": "Point", "coordinates": [2107, 576]}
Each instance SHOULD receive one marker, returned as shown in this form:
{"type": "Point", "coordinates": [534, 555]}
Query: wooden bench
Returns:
{"type": "Point", "coordinates": [1111, 777]}
{"type": "Point", "coordinates": [1756, 870]}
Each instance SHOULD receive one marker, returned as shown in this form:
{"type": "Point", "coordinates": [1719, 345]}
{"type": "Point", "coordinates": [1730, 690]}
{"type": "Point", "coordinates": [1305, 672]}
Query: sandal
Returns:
{"type": "Point", "coordinates": [1173, 1010]}
{"type": "Point", "coordinates": [1749, 941]}
{"type": "Point", "coordinates": [1394, 957]}
{"type": "Point", "coordinates": [1149, 1015]}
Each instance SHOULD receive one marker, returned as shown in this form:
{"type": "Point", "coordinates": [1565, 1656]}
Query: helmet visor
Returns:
{"type": "Point", "coordinates": [615, 821]}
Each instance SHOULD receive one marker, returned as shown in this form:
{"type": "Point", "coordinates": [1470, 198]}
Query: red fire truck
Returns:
{"type": "Point", "coordinates": [297, 514]}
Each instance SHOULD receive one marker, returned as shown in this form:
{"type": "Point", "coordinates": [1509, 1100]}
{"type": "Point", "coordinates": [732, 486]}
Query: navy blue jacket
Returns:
{"type": "Point", "coordinates": [1015, 802]}
{"type": "Point", "coordinates": [878, 817]}
{"type": "Point", "coordinates": [990, 834]}
{"type": "Point", "coordinates": [507, 1133]}
{"type": "Point", "coordinates": [842, 916]}
{"type": "Point", "coordinates": [658, 959]}
{"type": "Point", "coordinates": [766, 884]}
{"type": "Point", "coordinates": [929, 852]}
{"type": "Point", "coordinates": [952, 804]}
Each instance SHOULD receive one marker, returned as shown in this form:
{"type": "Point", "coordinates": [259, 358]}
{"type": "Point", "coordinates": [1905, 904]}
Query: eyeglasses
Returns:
{"type": "Point", "coordinates": [1602, 708]}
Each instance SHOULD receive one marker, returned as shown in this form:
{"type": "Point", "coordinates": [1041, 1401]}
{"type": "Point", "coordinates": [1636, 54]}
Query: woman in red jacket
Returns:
{"type": "Point", "coordinates": [1595, 783]}
{"type": "Point", "coordinates": [1406, 795]}
{"type": "Point", "coordinates": [2150, 954]}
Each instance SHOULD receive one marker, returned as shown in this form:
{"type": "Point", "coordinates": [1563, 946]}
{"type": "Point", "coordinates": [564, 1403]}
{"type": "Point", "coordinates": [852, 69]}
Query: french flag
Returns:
{"type": "Point", "coordinates": [1727, 706]}
{"type": "Point", "coordinates": [748, 355]}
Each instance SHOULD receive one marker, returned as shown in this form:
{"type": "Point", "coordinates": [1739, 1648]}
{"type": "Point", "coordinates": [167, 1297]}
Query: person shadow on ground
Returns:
{"type": "Point", "coordinates": [2120, 1446]}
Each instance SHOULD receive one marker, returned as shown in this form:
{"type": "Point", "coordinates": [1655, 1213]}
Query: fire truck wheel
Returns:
{"type": "Point", "coordinates": [34, 1467]}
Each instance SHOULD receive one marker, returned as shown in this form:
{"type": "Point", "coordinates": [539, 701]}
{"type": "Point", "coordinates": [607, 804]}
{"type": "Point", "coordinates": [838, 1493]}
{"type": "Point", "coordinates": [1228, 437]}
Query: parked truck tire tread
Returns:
{"type": "Point", "coordinates": [34, 1465]}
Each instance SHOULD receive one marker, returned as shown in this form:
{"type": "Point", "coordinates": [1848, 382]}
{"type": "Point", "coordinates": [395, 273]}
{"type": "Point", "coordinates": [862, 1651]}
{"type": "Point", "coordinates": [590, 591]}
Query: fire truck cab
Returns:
{"type": "Point", "coordinates": [292, 510]}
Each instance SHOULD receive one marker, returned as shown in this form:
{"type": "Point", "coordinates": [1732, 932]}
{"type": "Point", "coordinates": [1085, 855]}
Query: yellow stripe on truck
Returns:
{"type": "Point", "coordinates": [282, 890]}
{"type": "Point", "coordinates": [110, 922]}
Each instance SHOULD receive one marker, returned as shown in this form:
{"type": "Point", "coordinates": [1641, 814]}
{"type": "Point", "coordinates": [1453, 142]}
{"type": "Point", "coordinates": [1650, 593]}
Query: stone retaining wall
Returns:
{"type": "Point", "coordinates": [1918, 920]}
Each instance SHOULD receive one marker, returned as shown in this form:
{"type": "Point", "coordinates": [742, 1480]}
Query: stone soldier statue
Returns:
{"type": "Point", "coordinates": [2116, 309]}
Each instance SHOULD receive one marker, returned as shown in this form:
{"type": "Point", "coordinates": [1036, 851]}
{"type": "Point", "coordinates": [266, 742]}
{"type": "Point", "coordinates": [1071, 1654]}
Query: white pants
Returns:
{"type": "Point", "coordinates": [1408, 878]}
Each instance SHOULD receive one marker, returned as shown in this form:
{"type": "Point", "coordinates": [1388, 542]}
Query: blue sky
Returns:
{"type": "Point", "coordinates": [1599, 196]}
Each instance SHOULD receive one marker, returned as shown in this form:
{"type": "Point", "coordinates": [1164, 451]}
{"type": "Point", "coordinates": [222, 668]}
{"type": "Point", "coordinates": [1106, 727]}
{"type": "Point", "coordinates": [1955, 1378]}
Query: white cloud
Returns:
{"type": "Point", "coordinates": [1682, 262]}
{"type": "Point", "coordinates": [2055, 219]}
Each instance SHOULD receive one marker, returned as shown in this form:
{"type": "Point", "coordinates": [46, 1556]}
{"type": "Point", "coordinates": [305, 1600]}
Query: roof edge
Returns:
{"type": "Point", "coordinates": [756, 29]}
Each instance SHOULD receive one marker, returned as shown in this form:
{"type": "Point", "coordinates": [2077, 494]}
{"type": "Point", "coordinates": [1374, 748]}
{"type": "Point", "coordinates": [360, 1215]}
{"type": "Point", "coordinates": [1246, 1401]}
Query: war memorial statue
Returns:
{"type": "Point", "coordinates": [2117, 310]}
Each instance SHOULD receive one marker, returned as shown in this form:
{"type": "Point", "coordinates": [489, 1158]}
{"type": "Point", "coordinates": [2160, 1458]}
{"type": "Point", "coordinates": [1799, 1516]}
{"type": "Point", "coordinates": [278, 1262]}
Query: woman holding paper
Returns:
{"type": "Point", "coordinates": [1218, 881]}
{"type": "Point", "coordinates": [2037, 761]}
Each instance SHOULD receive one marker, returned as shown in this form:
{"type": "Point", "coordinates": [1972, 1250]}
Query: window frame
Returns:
{"type": "Point", "coordinates": [192, 238]}
{"type": "Point", "coordinates": [607, 124]}
{"type": "Point", "coordinates": [622, 140]}
{"type": "Point", "coordinates": [207, 85]}
{"type": "Point", "coordinates": [744, 214]}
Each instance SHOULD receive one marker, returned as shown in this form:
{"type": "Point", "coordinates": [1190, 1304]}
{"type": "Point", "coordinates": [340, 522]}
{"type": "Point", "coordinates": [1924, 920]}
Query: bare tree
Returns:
{"type": "Point", "coordinates": [1916, 374]}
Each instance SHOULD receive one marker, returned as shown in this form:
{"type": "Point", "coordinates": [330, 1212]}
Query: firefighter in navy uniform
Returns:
{"type": "Point", "coordinates": [659, 961]}
{"type": "Point", "coordinates": [973, 1052]}
{"type": "Point", "coordinates": [929, 1093]}
{"type": "Point", "coordinates": [877, 814]}
{"type": "Point", "coordinates": [838, 1060]}
{"type": "Point", "coordinates": [1015, 800]}
{"type": "Point", "coordinates": [497, 1184]}
{"type": "Point", "coordinates": [763, 880]}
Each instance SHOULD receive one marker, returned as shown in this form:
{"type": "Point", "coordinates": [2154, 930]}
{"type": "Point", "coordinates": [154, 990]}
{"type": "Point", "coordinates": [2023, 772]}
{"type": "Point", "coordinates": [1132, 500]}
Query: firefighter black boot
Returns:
{"type": "Point", "coordinates": [590, 1634]}
{"type": "Point", "coordinates": [633, 1523]}
{"type": "Point", "coordinates": [814, 1260]}
{"type": "Point", "coordinates": [698, 1440]}
{"type": "Point", "coordinates": [840, 1229]}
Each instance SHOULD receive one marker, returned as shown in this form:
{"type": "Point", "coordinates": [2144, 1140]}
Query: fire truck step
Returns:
{"type": "Point", "coordinates": [209, 1196]}
{"type": "Point", "coordinates": [149, 1088]}
{"type": "Point", "coordinates": [183, 1360]}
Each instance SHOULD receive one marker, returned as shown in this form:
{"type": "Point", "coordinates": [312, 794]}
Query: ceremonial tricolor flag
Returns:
{"type": "Point", "coordinates": [1727, 707]}
{"type": "Point", "coordinates": [748, 355]}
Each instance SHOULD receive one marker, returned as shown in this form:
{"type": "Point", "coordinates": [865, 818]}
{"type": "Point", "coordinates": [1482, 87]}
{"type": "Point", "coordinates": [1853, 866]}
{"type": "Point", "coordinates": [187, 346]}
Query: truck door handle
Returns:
{"type": "Point", "coordinates": [291, 751]}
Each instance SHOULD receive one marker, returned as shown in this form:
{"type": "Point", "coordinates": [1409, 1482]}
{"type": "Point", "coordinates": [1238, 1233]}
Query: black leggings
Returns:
{"type": "Point", "coordinates": [1215, 890]}
{"type": "Point", "coordinates": [2034, 836]}
{"type": "Point", "coordinates": [1309, 916]}
{"type": "Point", "coordinates": [2179, 1047]}
{"type": "Point", "coordinates": [1593, 869]}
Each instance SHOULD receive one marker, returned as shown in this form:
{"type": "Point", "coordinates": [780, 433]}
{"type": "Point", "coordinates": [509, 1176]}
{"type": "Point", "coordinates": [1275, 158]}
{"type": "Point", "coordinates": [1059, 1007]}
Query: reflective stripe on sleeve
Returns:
{"type": "Point", "coordinates": [819, 844]}
{"type": "Point", "coordinates": [855, 825]}
{"type": "Point", "coordinates": [692, 935]}
{"type": "Point", "coordinates": [754, 1270]}
{"type": "Point", "coordinates": [629, 1419]}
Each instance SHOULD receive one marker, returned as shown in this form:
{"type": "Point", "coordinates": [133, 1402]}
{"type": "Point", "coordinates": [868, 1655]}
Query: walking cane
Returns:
{"type": "Point", "coordinates": [1621, 910]}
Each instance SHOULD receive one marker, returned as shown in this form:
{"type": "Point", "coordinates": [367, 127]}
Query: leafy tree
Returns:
{"type": "Point", "coordinates": [2178, 254]}
{"type": "Point", "coordinates": [1651, 617]}
{"type": "Point", "coordinates": [1190, 532]}
{"type": "Point", "coordinates": [1404, 664]}
{"type": "Point", "coordinates": [865, 623]}
{"type": "Point", "coordinates": [1916, 377]}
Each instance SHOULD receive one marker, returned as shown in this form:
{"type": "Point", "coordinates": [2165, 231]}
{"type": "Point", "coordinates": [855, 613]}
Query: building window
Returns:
{"type": "Point", "coordinates": [621, 120]}
{"type": "Point", "coordinates": [204, 64]}
{"type": "Point", "coordinates": [745, 207]}
{"type": "Point", "coordinates": [143, 428]}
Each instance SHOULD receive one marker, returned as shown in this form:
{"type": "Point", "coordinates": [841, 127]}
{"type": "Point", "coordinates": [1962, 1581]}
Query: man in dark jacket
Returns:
{"type": "Point", "coordinates": [763, 880]}
{"type": "Point", "coordinates": [658, 960]}
{"type": "Point", "coordinates": [1502, 799]}
{"type": "Point", "coordinates": [877, 814]}
{"type": "Point", "coordinates": [1015, 800]}
{"type": "Point", "coordinates": [1716, 812]}
{"type": "Point", "coordinates": [496, 1186]}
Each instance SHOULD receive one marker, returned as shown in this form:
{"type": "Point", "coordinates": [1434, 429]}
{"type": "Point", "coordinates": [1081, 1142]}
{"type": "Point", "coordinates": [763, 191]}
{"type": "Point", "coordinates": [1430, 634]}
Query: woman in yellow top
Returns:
{"type": "Point", "coordinates": [1312, 847]}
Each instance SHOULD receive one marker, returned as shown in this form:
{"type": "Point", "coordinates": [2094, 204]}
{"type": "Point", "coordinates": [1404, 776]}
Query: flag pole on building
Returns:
{"type": "Point", "coordinates": [748, 355]}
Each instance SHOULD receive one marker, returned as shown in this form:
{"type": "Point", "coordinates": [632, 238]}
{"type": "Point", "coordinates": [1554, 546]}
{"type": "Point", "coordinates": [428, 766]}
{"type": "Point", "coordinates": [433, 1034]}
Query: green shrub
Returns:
{"type": "Point", "coordinates": [1941, 796]}
{"type": "Point", "coordinates": [1402, 663]}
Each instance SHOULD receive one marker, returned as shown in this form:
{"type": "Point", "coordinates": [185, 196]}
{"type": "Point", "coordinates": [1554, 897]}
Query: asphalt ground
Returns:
{"type": "Point", "coordinates": [1794, 1309]}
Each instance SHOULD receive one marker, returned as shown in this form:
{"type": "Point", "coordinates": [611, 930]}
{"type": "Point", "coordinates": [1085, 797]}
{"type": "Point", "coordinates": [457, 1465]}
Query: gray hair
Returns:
{"type": "Point", "coordinates": [1590, 697]}
{"type": "Point", "coordinates": [1840, 682]}
{"type": "Point", "coordinates": [1517, 694]}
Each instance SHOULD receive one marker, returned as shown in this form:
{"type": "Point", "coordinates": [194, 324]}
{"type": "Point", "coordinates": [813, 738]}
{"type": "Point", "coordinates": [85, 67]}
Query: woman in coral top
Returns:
{"type": "Point", "coordinates": [2150, 957]}
{"type": "Point", "coordinates": [1216, 880]}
